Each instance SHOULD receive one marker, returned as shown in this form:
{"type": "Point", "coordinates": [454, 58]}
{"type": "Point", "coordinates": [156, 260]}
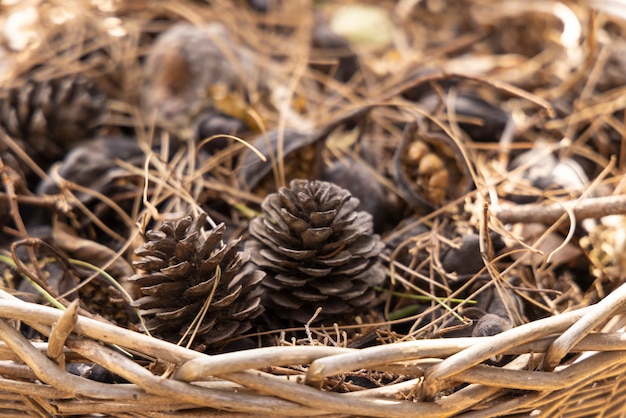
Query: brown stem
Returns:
{"type": "Point", "coordinates": [595, 207]}
{"type": "Point", "coordinates": [34, 200]}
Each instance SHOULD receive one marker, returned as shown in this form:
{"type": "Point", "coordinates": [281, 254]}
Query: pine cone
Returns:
{"type": "Point", "coordinates": [187, 73]}
{"type": "Point", "coordinates": [185, 268]}
{"type": "Point", "coordinates": [50, 116]}
{"type": "Point", "coordinates": [318, 251]}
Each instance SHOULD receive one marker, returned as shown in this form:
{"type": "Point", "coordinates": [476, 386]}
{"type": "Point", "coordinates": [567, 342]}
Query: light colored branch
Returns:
{"type": "Point", "coordinates": [593, 207]}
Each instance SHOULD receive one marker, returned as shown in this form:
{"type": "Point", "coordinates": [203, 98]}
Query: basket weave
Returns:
{"type": "Point", "coordinates": [447, 375]}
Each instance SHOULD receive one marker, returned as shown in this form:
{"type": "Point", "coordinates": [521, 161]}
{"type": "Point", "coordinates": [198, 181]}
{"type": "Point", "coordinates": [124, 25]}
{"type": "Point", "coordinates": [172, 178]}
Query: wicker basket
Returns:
{"type": "Point", "coordinates": [448, 377]}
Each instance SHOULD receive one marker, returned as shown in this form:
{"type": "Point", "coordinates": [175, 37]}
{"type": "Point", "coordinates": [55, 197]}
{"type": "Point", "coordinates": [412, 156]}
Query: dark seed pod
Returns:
{"type": "Point", "coordinates": [95, 166]}
{"type": "Point", "coordinates": [93, 371]}
{"type": "Point", "coordinates": [466, 260]}
{"type": "Point", "coordinates": [490, 324]}
{"type": "Point", "coordinates": [360, 180]}
{"type": "Point", "coordinates": [429, 169]}
{"type": "Point", "coordinates": [329, 47]}
{"type": "Point", "coordinates": [503, 311]}
{"type": "Point", "coordinates": [301, 156]}
{"type": "Point", "coordinates": [190, 68]}
{"type": "Point", "coordinates": [301, 153]}
{"type": "Point", "coordinates": [317, 250]}
{"type": "Point", "coordinates": [544, 171]}
{"type": "Point", "coordinates": [186, 269]}
{"type": "Point", "coordinates": [211, 124]}
{"type": "Point", "coordinates": [481, 120]}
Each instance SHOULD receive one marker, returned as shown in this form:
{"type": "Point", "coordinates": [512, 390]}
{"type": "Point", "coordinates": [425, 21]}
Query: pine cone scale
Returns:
{"type": "Point", "coordinates": [336, 260]}
{"type": "Point", "coordinates": [156, 254]}
{"type": "Point", "coordinates": [296, 254]}
{"type": "Point", "coordinates": [155, 238]}
{"type": "Point", "coordinates": [290, 280]}
{"type": "Point", "coordinates": [151, 263]}
{"type": "Point", "coordinates": [146, 303]}
{"type": "Point", "coordinates": [162, 289]}
{"type": "Point", "coordinates": [315, 271]}
{"type": "Point", "coordinates": [309, 296]}
{"type": "Point", "coordinates": [227, 300]}
{"type": "Point", "coordinates": [313, 237]}
{"type": "Point", "coordinates": [332, 287]}
{"type": "Point", "coordinates": [252, 310]}
{"type": "Point", "coordinates": [277, 235]}
{"type": "Point", "coordinates": [353, 269]}
{"type": "Point", "coordinates": [295, 224]}
{"type": "Point", "coordinates": [285, 300]}
{"type": "Point", "coordinates": [177, 313]}
{"type": "Point", "coordinates": [149, 279]}
{"type": "Point", "coordinates": [177, 271]}
{"type": "Point", "coordinates": [322, 218]}
{"type": "Point", "coordinates": [185, 246]}
{"type": "Point", "coordinates": [371, 277]}
{"type": "Point", "coordinates": [269, 258]}
{"type": "Point", "coordinates": [364, 248]}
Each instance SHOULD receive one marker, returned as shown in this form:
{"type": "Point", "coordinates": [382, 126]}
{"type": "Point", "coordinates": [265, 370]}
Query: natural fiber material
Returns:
{"type": "Point", "coordinates": [591, 384]}
{"type": "Point", "coordinates": [493, 91]}
{"type": "Point", "coordinates": [318, 251]}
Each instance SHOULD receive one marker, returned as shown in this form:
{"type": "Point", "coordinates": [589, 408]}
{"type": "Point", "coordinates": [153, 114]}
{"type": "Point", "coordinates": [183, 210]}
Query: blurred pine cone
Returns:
{"type": "Point", "coordinates": [50, 116]}
{"type": "Point", "coordinates": [185, 268]}
{"type": "Point", "coordinates": [192, 72]}
{"type": "Point", "coordinates": [318, 251]}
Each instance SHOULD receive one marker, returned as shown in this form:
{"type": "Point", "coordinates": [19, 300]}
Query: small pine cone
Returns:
{"type": "Point", "coordinates": [182, 265]}
{"type": "Point", "coordinates": [318, 251]}
{"type": "Point", "coordinates": [51, 116]}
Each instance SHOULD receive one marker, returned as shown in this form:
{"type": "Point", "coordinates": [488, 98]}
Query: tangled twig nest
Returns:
{"type": "Point", "coordinates": [458, 175]}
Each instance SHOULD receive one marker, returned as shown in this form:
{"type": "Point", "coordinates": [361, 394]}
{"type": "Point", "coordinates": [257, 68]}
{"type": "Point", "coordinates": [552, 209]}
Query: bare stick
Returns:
{"type": "Point", "coordinates": [595, 207]}
{"type": "Point", "coordinates": [60, 331]}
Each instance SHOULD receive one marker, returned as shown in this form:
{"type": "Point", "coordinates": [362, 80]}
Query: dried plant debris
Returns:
{"type": "Point", "coordinates": [331, 53]}
{"type": "Point", "coordinates": [444, 175]}
{"type": "Point", "coordinates": [481, 120]}
{"type": "Point", "coordinates": [57, 267]}
{"type": "Point", "coordinates": [99, 192]}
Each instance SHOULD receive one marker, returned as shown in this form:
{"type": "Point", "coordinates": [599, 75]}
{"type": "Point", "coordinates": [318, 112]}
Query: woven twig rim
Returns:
{"type": "Point", "coordinates": [235, 381]}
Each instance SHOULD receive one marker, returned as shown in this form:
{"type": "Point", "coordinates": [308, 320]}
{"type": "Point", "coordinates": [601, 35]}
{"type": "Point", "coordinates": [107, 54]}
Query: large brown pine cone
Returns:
{"type": "Point", "coordinates": [318, 251]}
{"type": "Point", "coordinates": [49, 117]}
{"type": "Point", "coordinates": [186, 268]}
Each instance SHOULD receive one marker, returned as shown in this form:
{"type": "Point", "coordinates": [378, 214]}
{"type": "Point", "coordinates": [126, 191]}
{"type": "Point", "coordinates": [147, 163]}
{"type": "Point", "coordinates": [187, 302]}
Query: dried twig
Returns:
{"type": "Point", "coordinates": [60, 331]}
{"type": "Point", "coordinates": [593, 207]}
